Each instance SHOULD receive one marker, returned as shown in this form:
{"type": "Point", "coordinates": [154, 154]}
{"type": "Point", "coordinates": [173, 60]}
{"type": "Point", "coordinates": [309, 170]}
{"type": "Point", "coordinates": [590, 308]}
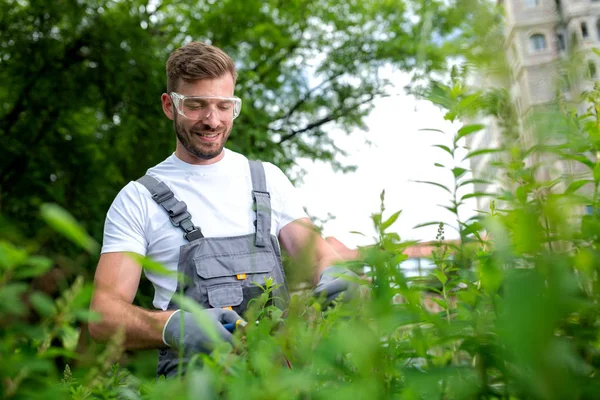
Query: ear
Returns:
{"type": "Point", "coordinates": [167, 106]}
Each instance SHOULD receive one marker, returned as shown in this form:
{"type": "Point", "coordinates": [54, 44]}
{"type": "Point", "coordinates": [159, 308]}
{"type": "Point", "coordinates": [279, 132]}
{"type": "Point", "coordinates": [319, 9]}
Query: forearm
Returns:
{"type": "Point", "coordinates": [304, 243]}
{"type": "Point", "coordinates": [143, 328]}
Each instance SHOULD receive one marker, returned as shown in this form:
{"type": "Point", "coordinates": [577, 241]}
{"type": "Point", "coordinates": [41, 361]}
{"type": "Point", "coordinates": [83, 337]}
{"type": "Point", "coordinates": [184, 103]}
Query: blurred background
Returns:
{"type": "Point", "coordinates": [324, 86]}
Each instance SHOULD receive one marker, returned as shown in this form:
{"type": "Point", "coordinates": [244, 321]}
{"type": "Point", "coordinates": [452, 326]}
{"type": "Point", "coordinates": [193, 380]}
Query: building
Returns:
{"type": "Point", "coordinates": [549, 49]}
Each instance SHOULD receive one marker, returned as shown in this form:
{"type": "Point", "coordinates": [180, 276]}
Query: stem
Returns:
{"type": "Point", "coordinates": [445, 294]}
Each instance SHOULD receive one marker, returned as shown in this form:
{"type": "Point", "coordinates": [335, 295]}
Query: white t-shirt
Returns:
{"type": "Point", "coordinates": [219, 198]}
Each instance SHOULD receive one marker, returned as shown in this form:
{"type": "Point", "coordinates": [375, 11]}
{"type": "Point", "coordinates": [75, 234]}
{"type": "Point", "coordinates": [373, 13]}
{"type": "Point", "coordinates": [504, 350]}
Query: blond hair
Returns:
{"type": "Point", "coordinates": [197, 60]}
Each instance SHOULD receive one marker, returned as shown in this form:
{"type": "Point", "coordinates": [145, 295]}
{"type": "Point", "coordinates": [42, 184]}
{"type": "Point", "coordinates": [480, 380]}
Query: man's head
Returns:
{"type": "Point", "coordinates": [207, 75]}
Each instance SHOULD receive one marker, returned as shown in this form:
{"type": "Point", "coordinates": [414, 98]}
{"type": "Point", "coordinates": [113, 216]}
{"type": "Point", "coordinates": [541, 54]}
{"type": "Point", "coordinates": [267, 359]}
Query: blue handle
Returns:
{"type": "Point", "coordinates": [231, 327]}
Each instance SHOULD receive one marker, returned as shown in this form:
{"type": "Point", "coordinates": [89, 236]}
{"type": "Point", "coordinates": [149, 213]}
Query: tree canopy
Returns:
{"type": "Point", "coordinates": [80, 112]}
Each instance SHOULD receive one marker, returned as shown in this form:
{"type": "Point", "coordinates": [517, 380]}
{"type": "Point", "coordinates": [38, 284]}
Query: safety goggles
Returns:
{"type": "Point", "coordinates": [201, 107]}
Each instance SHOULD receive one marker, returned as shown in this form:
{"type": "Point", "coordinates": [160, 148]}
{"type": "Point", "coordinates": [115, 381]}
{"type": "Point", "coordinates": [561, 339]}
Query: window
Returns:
{"type": "Point", "coordinates": [532, 3]}
{"type": "Point", "coordinates": [592, 71]}
{"type": "Point", "coordinates": [584, 30]}
{"type": "Point", "coordinates": [538, 42]}
{"type": "Point", "coordinates": [560, 42]}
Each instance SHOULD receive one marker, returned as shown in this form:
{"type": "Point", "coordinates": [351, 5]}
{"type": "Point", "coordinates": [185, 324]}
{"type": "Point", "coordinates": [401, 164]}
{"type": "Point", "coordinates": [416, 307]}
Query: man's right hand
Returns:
{"type": "Point", "coordinates": [195, 338]}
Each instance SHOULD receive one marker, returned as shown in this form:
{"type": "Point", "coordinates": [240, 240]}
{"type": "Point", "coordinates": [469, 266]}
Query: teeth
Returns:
{"type": "Point", "coordinates": [208, 135]}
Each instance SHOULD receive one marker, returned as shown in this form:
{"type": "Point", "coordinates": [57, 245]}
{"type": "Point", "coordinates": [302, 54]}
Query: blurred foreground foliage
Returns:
{"type": "Point", "coordinates": [510, 312]}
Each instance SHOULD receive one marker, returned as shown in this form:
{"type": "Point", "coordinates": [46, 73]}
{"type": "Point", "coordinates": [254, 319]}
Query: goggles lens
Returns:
{"type": "Point", "coordinates": [201, 107]}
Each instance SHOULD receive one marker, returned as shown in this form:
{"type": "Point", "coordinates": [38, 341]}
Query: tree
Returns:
{"type": "Point", "coordinates": [79, 104]}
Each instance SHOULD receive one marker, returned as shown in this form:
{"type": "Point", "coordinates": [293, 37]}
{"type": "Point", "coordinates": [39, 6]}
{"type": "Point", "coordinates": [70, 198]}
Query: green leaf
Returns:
{"type": "Point", "coordinates": [597, 172]}
{"type": "Point", "coordinates": [467, 130]}
{"type": "Point", "coordinates": [431, 130]}
{"type": "Point", "coordinates": [472, 228]}
{"type": "Point", "coordinates": [522, 193]}
{"type": "Point", "coordinates": [11, 256]}
{"type": "Point", "coordinates": [576, 185]}
{"type": "Point", "coordinates": [376, 217]}
{"type": "Point", "coordinates": [475, 194]}
{"type": "Point", "coordinates": [11, 302]}
{"type": "Point", "coordinates": [440, 302]}
{"type": "Point", "coordinates": [579, 158]}
{"type": "Point", "coordinates": [390, 220]}
{"type": "Point", "coordinates": [64, 223]}
{"type": "Point", "coordinates": [42, 303]}
{"type": "Point", "coordinates": [427, 224]}
{"type": "Point", "coordinates": [453, 210]}
{"type": "Point", "coordinates": [441, 276]}
{"type": "Point", "coordinates": [480, 152]}
{"type": "Point", "coordinates": [445, 148]}
{"type": "Point", "coordinates": [357, 233]}
{"type": "Point", "coordinates": [473, 181]}
{"type": "Point", "coordinates": [435, 184]}
{"type": "Point", "coordinates": [439, 165]}
{"type": "Point", "coordinates": [458, 172]}
{"type": "Point", "coordinates": [54, 352]}
{"type": "Point", "coordinates": [87, 316]}
{"type": "Point", "coordinates": [34, 266]}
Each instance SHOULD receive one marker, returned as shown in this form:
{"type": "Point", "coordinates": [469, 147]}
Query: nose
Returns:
{"type": "Point", "coordinates": [212, 119]}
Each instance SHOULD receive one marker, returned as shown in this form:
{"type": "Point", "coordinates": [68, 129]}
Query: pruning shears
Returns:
{"type": "Point", "coordinates": [240, 323]}
{"type": "Point", "coordinates": [231, 327]}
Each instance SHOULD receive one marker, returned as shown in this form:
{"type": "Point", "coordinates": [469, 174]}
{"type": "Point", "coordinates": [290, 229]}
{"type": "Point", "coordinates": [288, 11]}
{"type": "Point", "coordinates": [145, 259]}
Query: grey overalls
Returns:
{"type": "Point", "coordinates": [221, 271]}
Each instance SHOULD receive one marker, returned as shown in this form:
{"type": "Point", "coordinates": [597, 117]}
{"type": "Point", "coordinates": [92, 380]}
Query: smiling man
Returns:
{"type": "Point", "coordinates": [207, 213]}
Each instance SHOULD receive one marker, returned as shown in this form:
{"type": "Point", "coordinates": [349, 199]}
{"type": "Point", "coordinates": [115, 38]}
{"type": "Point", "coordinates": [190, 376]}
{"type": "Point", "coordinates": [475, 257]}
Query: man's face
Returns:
{"type": "Point", "coordinates": [201, 141]}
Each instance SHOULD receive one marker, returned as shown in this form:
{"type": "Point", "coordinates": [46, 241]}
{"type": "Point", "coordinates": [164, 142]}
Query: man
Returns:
{"type": "Point", "coordinates": [207, 213]}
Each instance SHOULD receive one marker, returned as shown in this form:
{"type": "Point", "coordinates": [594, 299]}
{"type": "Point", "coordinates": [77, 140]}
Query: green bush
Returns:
{"type": "Point", "coordinates": [517, 316]}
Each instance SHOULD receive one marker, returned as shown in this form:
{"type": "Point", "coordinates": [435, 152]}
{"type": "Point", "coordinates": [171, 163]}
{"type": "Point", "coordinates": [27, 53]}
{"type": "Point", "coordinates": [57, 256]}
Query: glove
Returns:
{"type": "Point", "coordinates": [333, 283]}
{"type": "Point", "coordinates": [195, 339]}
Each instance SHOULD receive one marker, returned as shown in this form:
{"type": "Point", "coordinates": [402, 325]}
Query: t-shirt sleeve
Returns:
{"type": "Point", "coordinates": [124, 224]}
{"type": "Point", "coordinates": [286, 200]}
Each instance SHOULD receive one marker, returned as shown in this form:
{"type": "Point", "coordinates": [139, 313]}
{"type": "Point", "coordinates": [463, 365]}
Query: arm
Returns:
{"type": "Point", "coordinates": [301, 237]}
{"type": "Point", "coordinates": [115, 285]}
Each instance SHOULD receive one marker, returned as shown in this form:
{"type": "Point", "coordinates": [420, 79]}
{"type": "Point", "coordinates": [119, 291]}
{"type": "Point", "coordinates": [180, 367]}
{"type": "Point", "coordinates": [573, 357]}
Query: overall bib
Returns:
{"type": "Point", "coordinates": [221, 271]}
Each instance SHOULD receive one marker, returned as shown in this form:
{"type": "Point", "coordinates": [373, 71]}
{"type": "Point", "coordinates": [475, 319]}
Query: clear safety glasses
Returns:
{"type": "Point", "coordinates": [201, 107]}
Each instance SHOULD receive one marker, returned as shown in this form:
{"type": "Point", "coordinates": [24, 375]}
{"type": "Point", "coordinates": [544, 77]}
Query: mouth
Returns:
{"type": "Point", "coordinates": [209, 137]}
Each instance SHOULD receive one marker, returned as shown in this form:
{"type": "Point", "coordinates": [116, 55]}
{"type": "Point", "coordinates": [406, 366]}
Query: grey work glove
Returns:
{"type": "Point", "coordinates": [195, 339]}
{"type": "Point", "coordinates": [333, 283]}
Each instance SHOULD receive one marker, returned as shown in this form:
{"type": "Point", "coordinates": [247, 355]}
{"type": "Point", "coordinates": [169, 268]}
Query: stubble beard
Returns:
{"type": "Point", "coordinates": [201, 152]}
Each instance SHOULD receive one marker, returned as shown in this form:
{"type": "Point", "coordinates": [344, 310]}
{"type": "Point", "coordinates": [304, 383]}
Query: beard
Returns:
{"type": "Point", "coordinates": [202, 151]}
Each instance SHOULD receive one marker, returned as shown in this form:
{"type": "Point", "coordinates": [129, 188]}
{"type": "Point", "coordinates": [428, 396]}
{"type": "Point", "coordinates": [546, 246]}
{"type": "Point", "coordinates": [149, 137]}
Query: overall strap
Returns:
{"type": "Point", "coordinates": [262, 203]}
{"type": "Point", "coordinates": [177, 210]}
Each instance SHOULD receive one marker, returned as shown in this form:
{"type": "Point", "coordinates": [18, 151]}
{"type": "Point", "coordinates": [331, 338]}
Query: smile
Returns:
{"type": "Point", "coordinates": [208, 135]}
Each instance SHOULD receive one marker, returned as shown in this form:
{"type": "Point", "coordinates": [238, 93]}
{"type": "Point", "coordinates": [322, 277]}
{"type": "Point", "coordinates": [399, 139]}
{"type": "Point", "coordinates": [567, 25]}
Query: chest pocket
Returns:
{"type": "Point", "coordinates": [232, 278]}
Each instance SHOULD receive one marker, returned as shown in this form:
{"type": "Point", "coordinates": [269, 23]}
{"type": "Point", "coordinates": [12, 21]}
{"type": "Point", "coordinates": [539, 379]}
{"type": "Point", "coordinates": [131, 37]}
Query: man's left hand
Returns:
{"type": "Point", "coordinates": [335, 281]}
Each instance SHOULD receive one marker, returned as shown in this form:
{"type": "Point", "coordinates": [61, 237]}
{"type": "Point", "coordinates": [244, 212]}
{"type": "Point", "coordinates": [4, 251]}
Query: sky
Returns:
{"type": "Point", "coordinates": [399, 155]}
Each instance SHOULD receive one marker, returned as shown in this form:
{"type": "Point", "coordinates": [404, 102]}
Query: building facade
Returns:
{"type": "Point", "coordinates": [549, 46]}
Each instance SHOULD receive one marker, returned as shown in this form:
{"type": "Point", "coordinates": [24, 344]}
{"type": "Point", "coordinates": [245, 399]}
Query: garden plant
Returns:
{"type": "Point", "coordinates": [517, 296]}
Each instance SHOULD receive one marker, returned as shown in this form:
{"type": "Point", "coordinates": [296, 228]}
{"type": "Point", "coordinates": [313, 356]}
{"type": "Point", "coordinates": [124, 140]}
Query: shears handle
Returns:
{"type": "Point", "coordinates": [232, 326]}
